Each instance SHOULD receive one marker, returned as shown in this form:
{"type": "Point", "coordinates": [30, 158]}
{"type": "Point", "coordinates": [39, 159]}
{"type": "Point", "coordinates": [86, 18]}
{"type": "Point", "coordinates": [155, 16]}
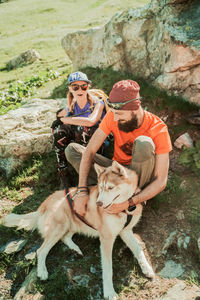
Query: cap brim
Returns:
{"type": "Point", "coordinates": [88, 81]}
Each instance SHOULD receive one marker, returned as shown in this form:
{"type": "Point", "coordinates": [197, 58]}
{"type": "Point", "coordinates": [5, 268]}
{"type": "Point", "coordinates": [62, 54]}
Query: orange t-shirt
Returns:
{"type": "Point", "coordinates": [152, 127]}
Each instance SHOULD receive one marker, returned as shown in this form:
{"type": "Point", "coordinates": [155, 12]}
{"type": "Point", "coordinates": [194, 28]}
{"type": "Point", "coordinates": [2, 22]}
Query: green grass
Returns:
{"type": "Point", "coordinates": [42, 24]}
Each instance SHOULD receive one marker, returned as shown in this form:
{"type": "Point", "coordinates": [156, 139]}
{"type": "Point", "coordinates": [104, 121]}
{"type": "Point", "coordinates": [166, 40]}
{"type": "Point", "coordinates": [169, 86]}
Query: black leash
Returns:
{"type": "Point", "coordinates": [70, 202]}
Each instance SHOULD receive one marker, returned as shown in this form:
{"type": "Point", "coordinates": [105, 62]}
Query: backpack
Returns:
{"type": "Point", "coordinates": [101, 95]}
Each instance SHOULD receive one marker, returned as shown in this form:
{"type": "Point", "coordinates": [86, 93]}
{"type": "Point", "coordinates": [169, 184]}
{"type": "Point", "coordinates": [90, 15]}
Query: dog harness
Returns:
{"type": "Point", "coordinates": [70, 199]}
{"type": "Point", "coordinates": [70, 202]}
{"type": "Point", "coordinates": [129, 217]}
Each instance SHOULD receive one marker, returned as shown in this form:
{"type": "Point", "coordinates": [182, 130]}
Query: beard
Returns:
{"type": "Point", "coordinates": [130, 125]}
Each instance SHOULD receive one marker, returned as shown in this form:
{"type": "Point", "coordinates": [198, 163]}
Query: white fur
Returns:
{"type": "Point", "coordinates": [55, 221]}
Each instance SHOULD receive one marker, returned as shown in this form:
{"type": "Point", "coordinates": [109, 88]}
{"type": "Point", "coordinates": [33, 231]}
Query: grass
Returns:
{"type": "Point", "coordinates": [37, 178]}
{"type": "Point", "coordinates": [42, 24]}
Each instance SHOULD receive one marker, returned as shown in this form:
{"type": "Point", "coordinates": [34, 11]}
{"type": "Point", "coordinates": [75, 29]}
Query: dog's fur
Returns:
{"type": "Point", "coordinates": [55, 220]}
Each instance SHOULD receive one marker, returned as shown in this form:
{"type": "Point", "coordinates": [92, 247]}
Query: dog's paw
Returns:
{"type": "Point", "coordinates": [111, 296]}
{"type": "Point", "coordinates": [148, 272]}
{"type": "Point", "coordinates": [42, 274]}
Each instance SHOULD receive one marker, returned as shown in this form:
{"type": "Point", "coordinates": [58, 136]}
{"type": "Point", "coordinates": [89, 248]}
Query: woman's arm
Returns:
{"type": "Point", "coordinates": [93, 118]}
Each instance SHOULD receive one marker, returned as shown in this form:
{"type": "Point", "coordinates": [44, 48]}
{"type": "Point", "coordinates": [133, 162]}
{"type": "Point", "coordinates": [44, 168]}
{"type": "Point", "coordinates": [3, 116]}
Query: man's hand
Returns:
{"type": "Point", "coordinates": [117, 208]}
{"type": "Point", "coordinates": [80, 203]}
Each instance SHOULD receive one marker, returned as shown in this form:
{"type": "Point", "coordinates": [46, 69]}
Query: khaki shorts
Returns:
{"type": "Point", "coordinates": [143, 160]}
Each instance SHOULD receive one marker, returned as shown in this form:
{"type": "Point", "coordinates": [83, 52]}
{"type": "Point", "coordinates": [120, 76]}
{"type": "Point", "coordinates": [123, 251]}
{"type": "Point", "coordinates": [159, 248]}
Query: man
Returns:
{"type": "Point", "coordinates": [141, 142]}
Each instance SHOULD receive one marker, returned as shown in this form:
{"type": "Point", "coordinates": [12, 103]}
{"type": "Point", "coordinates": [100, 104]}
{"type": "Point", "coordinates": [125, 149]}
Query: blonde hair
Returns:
{"type": "Point", "coordinates": [71, 101]}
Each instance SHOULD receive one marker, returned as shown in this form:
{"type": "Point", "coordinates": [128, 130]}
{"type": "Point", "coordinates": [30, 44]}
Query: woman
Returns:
{"type": "Point", "coordinates": [78, 121]}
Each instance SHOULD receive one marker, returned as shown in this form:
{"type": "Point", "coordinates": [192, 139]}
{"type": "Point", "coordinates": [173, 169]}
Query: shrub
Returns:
{"type": "Point", "coordinates": [190, 157]}
{"type": "Point", "coordinates": [12, 97]}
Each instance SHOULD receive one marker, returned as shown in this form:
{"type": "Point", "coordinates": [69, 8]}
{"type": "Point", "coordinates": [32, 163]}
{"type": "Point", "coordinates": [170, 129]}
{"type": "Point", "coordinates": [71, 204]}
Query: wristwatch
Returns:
{"type": "Point", "coordinates": [132, 206]}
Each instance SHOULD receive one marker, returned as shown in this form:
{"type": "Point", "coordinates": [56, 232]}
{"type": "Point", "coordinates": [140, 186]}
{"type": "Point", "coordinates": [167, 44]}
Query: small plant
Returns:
{"type": "Point", "coordinates": [12, 97]}
{"type": "Point", "coordinates": [190, 157]}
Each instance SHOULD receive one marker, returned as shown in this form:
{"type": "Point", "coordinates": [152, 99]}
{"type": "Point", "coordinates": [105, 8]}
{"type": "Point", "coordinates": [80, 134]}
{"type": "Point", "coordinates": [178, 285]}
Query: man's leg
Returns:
{"type": "Point", "coordinates": [74, 152]}
{"type": "Point", "coordinates": [143, 159]}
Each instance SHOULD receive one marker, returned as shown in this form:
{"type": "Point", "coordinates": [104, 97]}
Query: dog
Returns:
{"type": "Point", "coordinates": [56, 220]}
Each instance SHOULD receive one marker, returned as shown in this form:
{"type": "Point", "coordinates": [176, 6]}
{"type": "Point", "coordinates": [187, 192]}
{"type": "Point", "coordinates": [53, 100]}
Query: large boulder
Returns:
{"type": "Point", "coordinates": [27, 57]}
{"type": "Point", "coordinates": [160, 41]}
{"type": "Point", "coordinates": [26, 131]}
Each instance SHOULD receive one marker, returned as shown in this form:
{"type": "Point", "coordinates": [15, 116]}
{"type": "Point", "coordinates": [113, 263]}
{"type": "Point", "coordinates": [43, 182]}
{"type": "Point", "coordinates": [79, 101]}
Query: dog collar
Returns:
{"type": "Point", "coordinates": [132, 205]}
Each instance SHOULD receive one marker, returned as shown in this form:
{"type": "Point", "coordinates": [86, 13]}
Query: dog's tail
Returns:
{"type": "Point", "coordinates": [26, 221]}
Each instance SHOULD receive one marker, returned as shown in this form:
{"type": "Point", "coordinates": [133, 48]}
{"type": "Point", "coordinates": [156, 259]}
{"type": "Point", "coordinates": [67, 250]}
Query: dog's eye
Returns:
{"type": "Point", "coordinates": [110, 187]}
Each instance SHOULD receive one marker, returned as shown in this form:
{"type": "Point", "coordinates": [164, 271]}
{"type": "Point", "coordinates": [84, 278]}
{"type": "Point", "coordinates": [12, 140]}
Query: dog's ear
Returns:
{"type": "Point", "coordinates": [99, 169]}
{"type": "Point", "coordinates": [119, 168]}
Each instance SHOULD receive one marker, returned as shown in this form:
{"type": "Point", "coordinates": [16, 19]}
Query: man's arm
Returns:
{"type": "Point", "coordinates": [94, 144]}
{"type": "Point", "coordinates": [151, 190]}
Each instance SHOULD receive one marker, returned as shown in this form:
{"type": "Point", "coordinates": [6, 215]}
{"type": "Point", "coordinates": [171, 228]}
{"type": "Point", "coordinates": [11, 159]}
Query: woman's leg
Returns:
{"type": "Point", "coordinates": [63, 135]}
{"type": "Point", "coordinates": [143, 159]}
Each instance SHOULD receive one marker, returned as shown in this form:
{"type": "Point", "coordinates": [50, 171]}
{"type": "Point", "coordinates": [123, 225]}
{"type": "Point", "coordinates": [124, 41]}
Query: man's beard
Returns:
{"type": "Point", "coordinates": [129, 125]}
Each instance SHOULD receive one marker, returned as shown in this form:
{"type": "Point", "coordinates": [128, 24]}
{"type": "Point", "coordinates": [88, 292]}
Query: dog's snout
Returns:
{"type": "Point", "coordinates": [99, 203]}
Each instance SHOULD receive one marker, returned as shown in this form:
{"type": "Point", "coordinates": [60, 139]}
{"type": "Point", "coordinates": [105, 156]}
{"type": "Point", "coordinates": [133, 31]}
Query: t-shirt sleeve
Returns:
{"type": "Point", "coordinates": [162, 141]}
{"type": "Point", "coordinates": [105, 124]}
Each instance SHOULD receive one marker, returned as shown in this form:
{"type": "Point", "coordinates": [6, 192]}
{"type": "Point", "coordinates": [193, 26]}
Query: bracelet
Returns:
{"type": "Point", "coordinates": [82, 195]}
{"type": "Point", "coordinates": [130, 202]}
{"type": "Point", "coordinates": [82, 191]}
{"type": "Point", "coordinates": [82, 187]}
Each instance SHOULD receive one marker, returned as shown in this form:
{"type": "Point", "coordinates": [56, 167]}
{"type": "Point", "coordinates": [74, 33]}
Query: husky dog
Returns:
{"type": "Point", "coordinates": [56, 220]}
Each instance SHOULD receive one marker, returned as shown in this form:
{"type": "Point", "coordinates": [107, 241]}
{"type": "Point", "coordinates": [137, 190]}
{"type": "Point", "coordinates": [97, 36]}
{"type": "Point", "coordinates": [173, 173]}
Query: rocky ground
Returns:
{"type": "Point", "coordinates": [169, 233]}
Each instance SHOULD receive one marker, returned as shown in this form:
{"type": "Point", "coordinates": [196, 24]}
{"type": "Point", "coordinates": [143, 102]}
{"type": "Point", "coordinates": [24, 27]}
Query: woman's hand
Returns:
{"type": "Point", "coordinates": [80, 203]}
{"type": "Point", "coordinates": [61, 113]}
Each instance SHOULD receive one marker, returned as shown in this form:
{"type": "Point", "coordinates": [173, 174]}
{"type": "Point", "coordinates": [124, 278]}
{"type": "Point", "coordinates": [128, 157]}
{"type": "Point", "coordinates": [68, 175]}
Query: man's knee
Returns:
{"type": "Point", "coordinates": [73, 153]}
{"type": "Point", "coordinates": [143, 148]}
{"type": "Point", "coordinates": [68, 151]}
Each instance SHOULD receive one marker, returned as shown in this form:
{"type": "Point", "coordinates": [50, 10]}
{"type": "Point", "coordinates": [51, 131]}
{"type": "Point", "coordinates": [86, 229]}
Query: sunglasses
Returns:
{"type": "Point", "coordinates": [75, 87]}
{"type": "Point", "coordinates": [118, 105]}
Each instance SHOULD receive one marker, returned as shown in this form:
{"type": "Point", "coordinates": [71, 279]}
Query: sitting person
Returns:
{"type": "Point", "coordinates": [79, 120]}
{"type": "Point", "coordinates": [141, 143]}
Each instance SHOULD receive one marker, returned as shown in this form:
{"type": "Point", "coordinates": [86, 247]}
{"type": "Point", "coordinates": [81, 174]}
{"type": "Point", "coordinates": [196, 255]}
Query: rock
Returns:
{"type": "Point", "coordinates": [181, 291]}
{"type": "Point", "coordinates": [159, 41]}
{"type": "Point", "coordinates": [13, 246]}
{"type": "Point", "coordinates": [183, 140]}
{"type": "Point", "coordinates": [82, 280]}
{"type": "Point", "coordinates": [28, 286]}
{"type": "Point", "coordinates": [183, 241]}
{"type": "Point", "coordinates": [169, 241]}
{"type": "Point", "coordinates": [27, 57]}
{"type": "Point", "coordinates": [26, 131]}
{"type": "Point", "coordinates": [180, 239]}
{"type": "Point", "coordinates": [194, 119]}
{"type": "Point", "coordinates": [32, 252]}
{"type": "Point", "coordinates": [180, 215]}
{"type": "Point", "coordinates": [171, 270]}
